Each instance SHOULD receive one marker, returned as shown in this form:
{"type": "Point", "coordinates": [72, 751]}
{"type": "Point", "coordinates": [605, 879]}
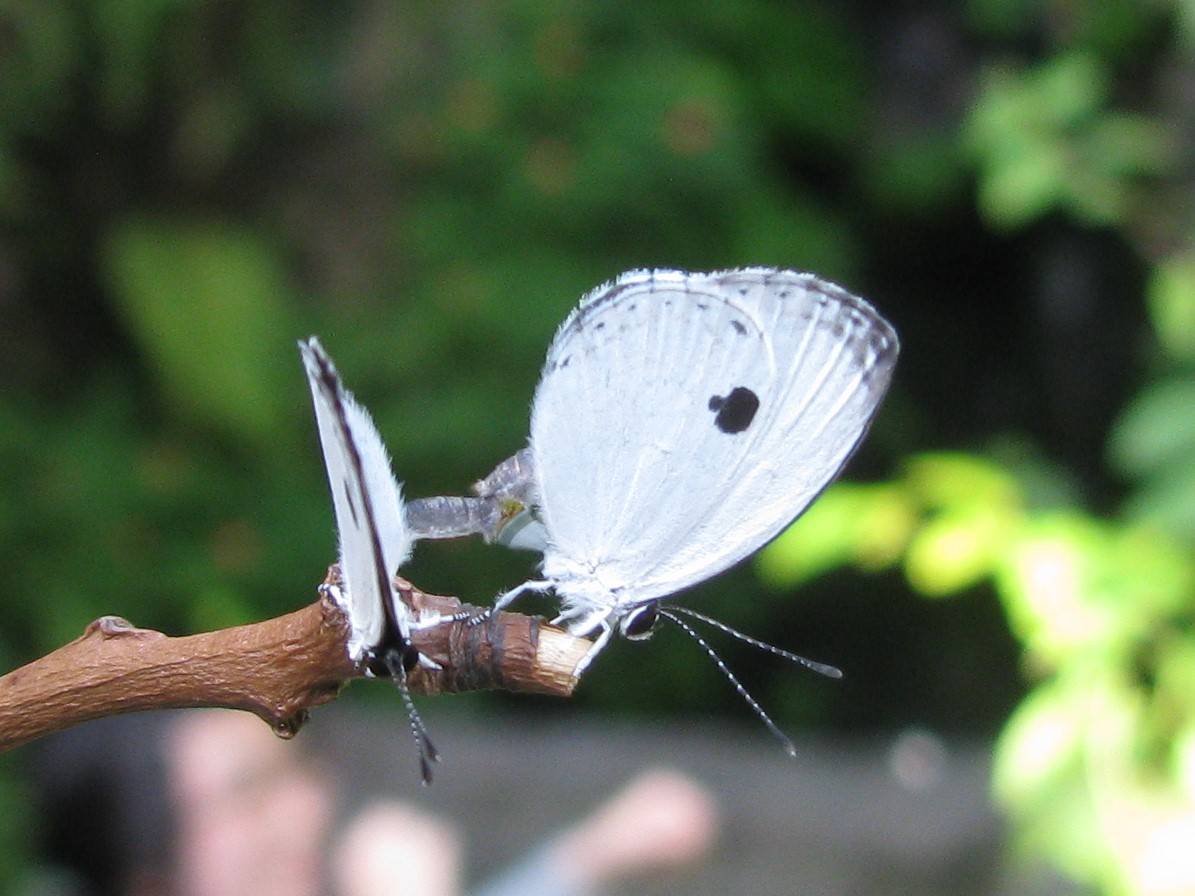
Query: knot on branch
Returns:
{"type": "Point", "coordinates": [117, 627]}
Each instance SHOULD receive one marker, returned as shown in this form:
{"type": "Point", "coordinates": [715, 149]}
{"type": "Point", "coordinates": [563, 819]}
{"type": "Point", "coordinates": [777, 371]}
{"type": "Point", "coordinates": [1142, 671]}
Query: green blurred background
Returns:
{"type": "Point", "coordinates": [187, 188]}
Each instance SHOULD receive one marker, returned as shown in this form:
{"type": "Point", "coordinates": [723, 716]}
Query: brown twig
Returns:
{"type": "Point", "coordinates": [277, 669]}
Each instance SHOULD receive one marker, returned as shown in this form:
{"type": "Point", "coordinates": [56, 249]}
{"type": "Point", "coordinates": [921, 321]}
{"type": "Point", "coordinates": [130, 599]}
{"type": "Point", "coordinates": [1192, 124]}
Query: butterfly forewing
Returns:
{"type": "Point", "coordinates": [372, 531]}
{"type": "Point", "coordinates": [684, 419]}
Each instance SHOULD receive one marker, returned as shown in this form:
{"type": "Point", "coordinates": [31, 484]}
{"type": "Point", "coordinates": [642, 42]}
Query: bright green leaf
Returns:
{"type": "Point", "coordinates": [1045, 582]}
{"type": "Point", "coordinates": [945, 481]}
{"type": "Point", "coordinates": [1018, 190]}
{"type": "Point", "coordinates": [1172, 306]}
{"type": "Point", "coordinates": [867, 525]}
{"type": "Point", "coordinates": [1058, 764]}
{"type": "Point", "coordinates": [957, 549]}
{"type": "Point", "coordinates": [1039, 746]}
{"type": "Point", "coordinates": [1184, 761]}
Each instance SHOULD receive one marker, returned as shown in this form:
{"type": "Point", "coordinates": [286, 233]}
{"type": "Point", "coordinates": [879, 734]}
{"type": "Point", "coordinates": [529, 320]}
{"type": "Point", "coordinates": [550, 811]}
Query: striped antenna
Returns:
{"type": "Point", "coordinates": [742, 691]}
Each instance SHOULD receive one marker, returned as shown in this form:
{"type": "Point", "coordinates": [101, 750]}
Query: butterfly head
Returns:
{"type": "Point", "coordinates": [384, 659]}
{"type": "Point", "coordinates": [640, 623]}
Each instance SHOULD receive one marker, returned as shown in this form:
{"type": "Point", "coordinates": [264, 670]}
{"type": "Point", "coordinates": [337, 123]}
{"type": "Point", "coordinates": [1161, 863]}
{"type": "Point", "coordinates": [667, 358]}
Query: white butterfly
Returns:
{"type": "Point", "coordinates": [681, 422]}
{"type": "Point", "coordinates": [372, 530]}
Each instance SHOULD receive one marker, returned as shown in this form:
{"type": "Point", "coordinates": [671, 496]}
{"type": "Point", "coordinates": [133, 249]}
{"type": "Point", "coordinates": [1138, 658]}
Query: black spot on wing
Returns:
{"type": "Point", "coordinates": [739, 327]}
{"type": "Point", "coordinates": [734, 412]}
{"type": "Point", "coordinates": [348, 496]}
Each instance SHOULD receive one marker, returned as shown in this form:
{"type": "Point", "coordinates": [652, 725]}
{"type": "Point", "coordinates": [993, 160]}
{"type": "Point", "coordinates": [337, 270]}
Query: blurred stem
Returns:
{"type": "Point", "coordinates": [277, 669]}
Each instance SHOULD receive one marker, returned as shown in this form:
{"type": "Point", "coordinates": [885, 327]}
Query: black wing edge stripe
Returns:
{"type": "Point", "coordinates": [334, 391]}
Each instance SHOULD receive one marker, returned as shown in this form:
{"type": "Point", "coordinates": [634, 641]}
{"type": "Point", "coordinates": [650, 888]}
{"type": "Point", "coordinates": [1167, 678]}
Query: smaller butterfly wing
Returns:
{"type": "Point", "coordinates": [370, 522]}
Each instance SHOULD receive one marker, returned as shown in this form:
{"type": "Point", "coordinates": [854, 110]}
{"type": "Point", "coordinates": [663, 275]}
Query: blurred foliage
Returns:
{"type": "Point", "coordinates": [226, 288]}
{"type": "Point", "coordinates": [1045, 141]}
{"type": "Point", "coordinates": [187, 188]}
{"type": "Point", "coordinates": [1094, 766]}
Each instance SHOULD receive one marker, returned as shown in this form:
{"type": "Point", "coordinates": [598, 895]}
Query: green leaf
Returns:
{"type": "Point", "coordinates": [1156, 429]}
{"type": "Point", "coordinates": [1042, 143]}
{"type": "Point", "coordinates": [1166, 500]}
{"type": "Point", "coordinates": [953, 480]}
{"type": "Point", "coordinates": [1068, 88]}
{"type": "Point", "coordinates": [1039, 746]}
{"type": "Point", "coordinates": [1022, 187]}
{"type": "Point", "coordinates": [1045, 582]}
{"type": "Point", "coordinates": [867, 525]}
{"type": "Point", "coordinates": [1042, 772]}
{"type": "Point", "coordinates": [958, 549]}
{"type": "Point", "coordinates": [1184, 760]}
{"type": "Point", "coordinates": [1171, 298]}
{"type": "Point", "coordinates": [1075, 586]}
{"type": "Point", "coordinates": [206, 304]}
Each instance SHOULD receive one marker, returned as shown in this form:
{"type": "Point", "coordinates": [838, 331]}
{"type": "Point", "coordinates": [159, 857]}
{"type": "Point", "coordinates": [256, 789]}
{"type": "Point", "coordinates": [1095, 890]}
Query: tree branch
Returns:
{"type": "Point", "coordinates": [277, 669]}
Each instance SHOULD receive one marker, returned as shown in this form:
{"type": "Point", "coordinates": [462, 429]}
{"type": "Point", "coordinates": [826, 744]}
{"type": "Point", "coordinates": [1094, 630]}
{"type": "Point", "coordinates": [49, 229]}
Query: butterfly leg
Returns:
{"type": "Point", "coordinates": [599, 643]}
{"type": "Point", "coordinates": [512, 479]}
{"type": "Point", "coordinates": [589, 620]}
{"type": "Point", "coordinates": [583, 623]}
{"type": "Point", "coordinates": [504, 600]}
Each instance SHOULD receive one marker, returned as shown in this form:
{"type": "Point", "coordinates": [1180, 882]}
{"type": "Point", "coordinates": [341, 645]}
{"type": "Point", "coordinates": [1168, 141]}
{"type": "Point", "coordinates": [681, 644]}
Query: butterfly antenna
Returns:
{"type": "Point", "coordinates": [812, 665]}
{"type": "Point", "coordinates": [427, 750]}
{"type": "Point", "coordinates": [751, 701]}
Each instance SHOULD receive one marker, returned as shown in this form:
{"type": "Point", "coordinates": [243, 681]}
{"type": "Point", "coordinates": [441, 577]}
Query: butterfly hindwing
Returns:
{"type": "Point", "coordinates": [683, 420]}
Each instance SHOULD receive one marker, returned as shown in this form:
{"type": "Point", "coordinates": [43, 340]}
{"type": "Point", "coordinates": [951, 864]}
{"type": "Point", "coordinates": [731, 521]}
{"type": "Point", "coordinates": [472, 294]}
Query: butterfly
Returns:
{"type": "Point", "coordinates": [681, 422]}
{"type": "Point", "coordinates": [374, 539]}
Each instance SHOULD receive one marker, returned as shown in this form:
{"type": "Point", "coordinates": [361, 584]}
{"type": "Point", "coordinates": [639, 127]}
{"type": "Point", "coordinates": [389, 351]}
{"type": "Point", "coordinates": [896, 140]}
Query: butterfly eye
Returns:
{"type": "Point", "coordinates": [376, 665]}
{"type": "Point", "coordinates": [640, 623]}
{"type": "Point", "coordinates": [410, 659]}
{"type": "Point", "coordinates": [381, 663]}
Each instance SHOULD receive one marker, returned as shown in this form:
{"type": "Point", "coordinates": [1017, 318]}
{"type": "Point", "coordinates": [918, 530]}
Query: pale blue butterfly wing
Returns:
{"type": "Point", "coordinates": [683, 420]}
